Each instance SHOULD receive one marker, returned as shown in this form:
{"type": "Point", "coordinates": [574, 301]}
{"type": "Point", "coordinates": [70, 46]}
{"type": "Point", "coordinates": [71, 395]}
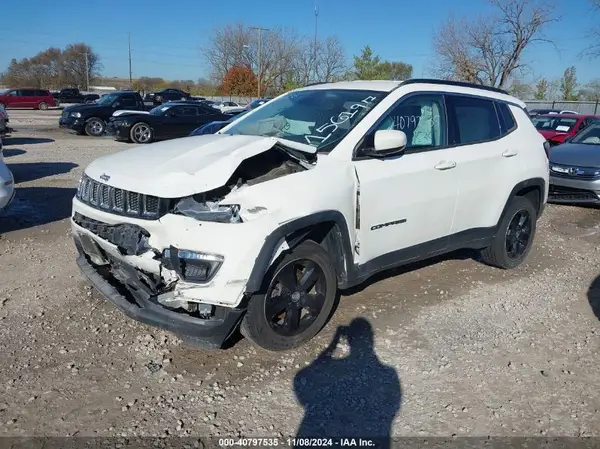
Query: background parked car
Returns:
{"type": "Point", "coordinates": [256, 103]}
{"type": "Point", "coordinates": [226, 106]}
{"type": "Point", "coordinates": [165, 95]}
{"type": "Point", "coordinates": [557, 127]}
{"type": "Point", "coordinates": [7, 182]}
{"type": "Point", "coordinates": [213, 127]}
{"type": "Point", "coordinates": [536, 112]}
{"type": "Point", "coordinates": [4, 129]}
{"type": "Point", "coordinates": [73, 95]}
{"type": "Point", "coordinates": [167, 121]}
{"type": "Point", "coordinates": [91, 118]}
{"type": "Point", "coordinates": [575, 168]}
{"type": "Point", "coordinates": [27, 98]}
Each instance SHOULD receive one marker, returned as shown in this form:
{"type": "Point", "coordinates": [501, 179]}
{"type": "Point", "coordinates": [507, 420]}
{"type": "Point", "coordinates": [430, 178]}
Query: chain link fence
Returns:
{"type": "Point", "coordinates": [582, 107]}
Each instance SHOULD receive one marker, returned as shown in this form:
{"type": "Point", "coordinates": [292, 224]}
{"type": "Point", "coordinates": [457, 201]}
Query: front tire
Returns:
{"type": "Point", "coordinates": [43, 106]}
{"type": "Point", "coordinates": [514, 236]}
{"type": "Point", "coordinates": [299, 295]}
{"type": "Point", "coordinates": [141, 133]}
{"type": "Point", "coordinates": [95, 127]}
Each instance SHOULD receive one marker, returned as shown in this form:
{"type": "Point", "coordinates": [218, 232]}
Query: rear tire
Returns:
{"type": "Point", "coordinates": [514, 236]}
{"type": "Point", "coordinates": [43, 106]}
{"type": "Point", "coordinates": [296, 301]}
{"type": "Point", "coordinates": [95, 127]}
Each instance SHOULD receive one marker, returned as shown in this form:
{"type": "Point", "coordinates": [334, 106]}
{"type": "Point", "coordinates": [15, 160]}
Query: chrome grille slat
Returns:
{"type": "Point", "coordinates": [122, 202]}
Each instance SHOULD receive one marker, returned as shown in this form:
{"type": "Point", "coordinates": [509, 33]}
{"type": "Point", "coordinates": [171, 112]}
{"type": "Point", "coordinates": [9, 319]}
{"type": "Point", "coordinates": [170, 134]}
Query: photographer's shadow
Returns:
{"type": "Point", "coordinates": [351, 397]}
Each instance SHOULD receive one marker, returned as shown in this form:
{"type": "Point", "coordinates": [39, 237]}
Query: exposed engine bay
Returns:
{"type": "Point", "coordinates": [263, 167]}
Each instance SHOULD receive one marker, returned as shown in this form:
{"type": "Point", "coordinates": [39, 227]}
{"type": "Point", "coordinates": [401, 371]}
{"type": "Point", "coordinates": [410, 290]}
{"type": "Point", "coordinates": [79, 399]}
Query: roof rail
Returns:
{"type": "Point", "coordinates": [455, 83]}
{"type": "Point", "coordinates": [316, 83]}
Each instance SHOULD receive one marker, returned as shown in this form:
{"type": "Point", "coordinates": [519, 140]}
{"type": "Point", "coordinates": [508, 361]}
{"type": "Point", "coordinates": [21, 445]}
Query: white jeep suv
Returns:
{"type": "Point", "coordinates": [257, 227]}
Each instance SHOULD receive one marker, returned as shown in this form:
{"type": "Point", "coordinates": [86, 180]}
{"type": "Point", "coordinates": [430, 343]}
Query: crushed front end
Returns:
{"type": "Point", "coordinates": [179, 264]}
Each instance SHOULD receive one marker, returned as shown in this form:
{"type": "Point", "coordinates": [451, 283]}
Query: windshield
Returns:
{"type": "Point", "coordinates": [107, 99]}
{"type": "Point", "coordinates": [590, 135]}
{"type": "Point", "coordinates": [560, 124]}
{"type": "Point", "coordinates": [319, 117]}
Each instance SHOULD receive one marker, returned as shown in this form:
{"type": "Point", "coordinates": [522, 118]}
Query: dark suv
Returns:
{"type": "Point", "coordinates": [165, 95]}
{"type": "Point", "coordinates": [27, 98]}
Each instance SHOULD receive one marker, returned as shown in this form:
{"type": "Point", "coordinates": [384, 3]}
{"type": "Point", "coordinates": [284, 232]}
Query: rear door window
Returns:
{"type": "Point", "coordinates": [507, 121]}
{"type": "Point", "coordinates": [472, 120]}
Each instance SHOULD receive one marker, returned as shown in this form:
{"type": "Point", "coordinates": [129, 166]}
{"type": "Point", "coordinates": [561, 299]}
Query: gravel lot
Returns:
{"type": "Point", "coordinates": [459, 347]}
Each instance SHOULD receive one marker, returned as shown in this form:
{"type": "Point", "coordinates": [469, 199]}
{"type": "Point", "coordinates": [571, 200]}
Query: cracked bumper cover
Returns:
{"type": "Point", "coordinates": [206, 333]}
{"type": "Point", "coordinates": [238, 244]}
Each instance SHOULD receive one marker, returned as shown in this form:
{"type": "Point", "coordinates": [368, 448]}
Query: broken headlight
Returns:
{"type": "Point", "coordinates": [208, 210]}
{"type": "Point", "coordinates": [192, 266]}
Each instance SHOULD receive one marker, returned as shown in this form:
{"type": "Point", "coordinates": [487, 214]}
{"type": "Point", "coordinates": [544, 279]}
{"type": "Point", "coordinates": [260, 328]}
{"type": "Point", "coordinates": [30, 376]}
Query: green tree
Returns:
{"type": "Point", "coordinates": [568, 85]}
{"type": "Point", "coordinates": [541, 89]}
{"type": "Point", "coordinates": [366, 66]}
{"type": "Point", "coordinates": [369, 66]}
{"type": "Point", "coordinates": [395, 70]}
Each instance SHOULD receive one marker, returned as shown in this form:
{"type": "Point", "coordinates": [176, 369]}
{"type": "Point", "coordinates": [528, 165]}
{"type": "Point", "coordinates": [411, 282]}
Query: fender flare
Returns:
{"type": "Point", "coordinates": [273, 241]}
{"type": "Point", "coordinates": [526, 184]}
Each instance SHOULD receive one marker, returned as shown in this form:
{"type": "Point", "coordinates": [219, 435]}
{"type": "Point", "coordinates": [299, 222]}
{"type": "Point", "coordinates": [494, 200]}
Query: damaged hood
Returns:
{"type": "Point", "coordinates": [185, 166]}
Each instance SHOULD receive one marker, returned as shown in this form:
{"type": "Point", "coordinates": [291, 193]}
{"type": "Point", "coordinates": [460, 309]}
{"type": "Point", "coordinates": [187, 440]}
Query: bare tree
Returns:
{"type": "Point", "coordinates": [489, 50]}
{"type": "Point", "coordinates": [238, 45]}
{"type": "Point", "coordinates": [331, 59]}
{"type": "Point", "coordinates": [279, 57]}
{"type": "Point", "coordinates": [593, 50]}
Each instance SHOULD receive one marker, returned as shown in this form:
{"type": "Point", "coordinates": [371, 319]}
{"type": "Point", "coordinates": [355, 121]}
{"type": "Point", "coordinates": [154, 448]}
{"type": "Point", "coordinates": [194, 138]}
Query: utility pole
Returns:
{"type": "Point", "coordinates": [87, 72]}
{"type": "Point", "coordinates": [130, 77]}
{"type": "Point", "coordinates": [315, 43]}
{"type": "Point", "coordinates": [260, 30]}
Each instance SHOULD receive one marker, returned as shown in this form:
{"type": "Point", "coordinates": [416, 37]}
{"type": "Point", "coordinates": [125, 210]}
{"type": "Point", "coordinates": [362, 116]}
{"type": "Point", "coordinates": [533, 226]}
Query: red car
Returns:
{"type": "Point", "coordinates": [27, 98]}
{"type": "Point", "coordinates": [557, 127]}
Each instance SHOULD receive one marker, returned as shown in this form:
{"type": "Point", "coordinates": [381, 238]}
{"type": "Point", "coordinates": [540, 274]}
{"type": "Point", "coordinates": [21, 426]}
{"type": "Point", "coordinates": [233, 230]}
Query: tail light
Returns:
{"type": "Point", "coordinates": [547, 149]}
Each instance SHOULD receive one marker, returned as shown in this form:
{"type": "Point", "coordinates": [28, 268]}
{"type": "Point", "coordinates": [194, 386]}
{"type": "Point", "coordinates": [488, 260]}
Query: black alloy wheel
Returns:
{"type": "Point", "coordinates": [518, 234]}
{"type": "Point", "coordinates": [295, 297]}
{"type": "Point", "coordinates": [298, 296]}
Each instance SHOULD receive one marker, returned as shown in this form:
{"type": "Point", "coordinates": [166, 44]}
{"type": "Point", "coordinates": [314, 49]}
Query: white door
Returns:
{"type": "Point", "coordinates": [487, 156]}
{"type": "Point", "coordinates": [408, 199]}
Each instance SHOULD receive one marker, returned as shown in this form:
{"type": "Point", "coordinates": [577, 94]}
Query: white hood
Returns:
{"type": "Point", "coordinates": [182, 167]}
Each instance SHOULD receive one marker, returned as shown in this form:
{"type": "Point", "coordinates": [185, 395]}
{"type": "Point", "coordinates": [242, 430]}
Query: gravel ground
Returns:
{"type": "Point", "coordinates": [450, 347]}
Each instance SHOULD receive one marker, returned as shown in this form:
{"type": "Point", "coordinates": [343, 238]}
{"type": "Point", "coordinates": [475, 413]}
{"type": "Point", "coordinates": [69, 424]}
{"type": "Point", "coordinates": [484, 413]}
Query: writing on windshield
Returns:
{"type": "Point", "coordinates": [325, 131]}
{"type": "Point", "coordinates": [317, 117]}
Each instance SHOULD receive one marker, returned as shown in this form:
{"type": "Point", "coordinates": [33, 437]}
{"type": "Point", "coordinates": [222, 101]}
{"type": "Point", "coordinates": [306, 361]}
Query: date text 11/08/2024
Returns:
{"type": "Point", "coordinates": [298, 442]}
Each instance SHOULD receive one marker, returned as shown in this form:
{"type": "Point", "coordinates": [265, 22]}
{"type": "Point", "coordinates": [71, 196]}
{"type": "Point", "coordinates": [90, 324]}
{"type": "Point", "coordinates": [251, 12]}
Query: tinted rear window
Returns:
{"type": "Point", "coordinates": [507, 121]}
{"type": "Point", "coordinates": [475, 119]}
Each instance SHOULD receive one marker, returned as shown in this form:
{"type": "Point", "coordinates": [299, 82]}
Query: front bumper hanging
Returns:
{"type": "Point", "coordinates": [138, 302]}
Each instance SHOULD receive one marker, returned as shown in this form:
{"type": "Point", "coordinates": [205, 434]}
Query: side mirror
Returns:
{"type": "Point", "coordinates": [117, 104]}
{"type": "Point", "coordinates": [387, 142]}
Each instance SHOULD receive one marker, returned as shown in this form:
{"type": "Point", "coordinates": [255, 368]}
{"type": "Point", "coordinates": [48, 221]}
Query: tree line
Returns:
{"type": "Point", "coordinates": [490, 49]}
{"type": "Point", "coordinates": [55, 68]}
{"type": "Point", "coordinates": [244, 60]}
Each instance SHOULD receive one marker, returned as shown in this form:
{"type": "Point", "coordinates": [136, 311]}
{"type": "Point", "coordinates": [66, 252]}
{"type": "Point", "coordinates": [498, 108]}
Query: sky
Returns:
{"type": "Point", "coordinates": [167, 37]}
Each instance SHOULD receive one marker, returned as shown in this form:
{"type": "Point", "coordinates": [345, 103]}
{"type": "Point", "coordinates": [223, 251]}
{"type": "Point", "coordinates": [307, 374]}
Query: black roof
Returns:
{"type": "Point", "coordinates": [454, 83]}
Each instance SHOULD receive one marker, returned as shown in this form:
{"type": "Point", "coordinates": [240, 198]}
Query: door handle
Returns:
{"type": "Point", "coordinates": [445, 165]}
{"type": "Point", "coordinates": [510, 153]}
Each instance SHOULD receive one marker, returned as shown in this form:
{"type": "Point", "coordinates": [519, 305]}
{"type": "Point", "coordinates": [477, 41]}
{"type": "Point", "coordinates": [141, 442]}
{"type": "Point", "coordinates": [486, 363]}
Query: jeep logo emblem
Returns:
{"type": "Point", "coordinates": [104, 177]}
